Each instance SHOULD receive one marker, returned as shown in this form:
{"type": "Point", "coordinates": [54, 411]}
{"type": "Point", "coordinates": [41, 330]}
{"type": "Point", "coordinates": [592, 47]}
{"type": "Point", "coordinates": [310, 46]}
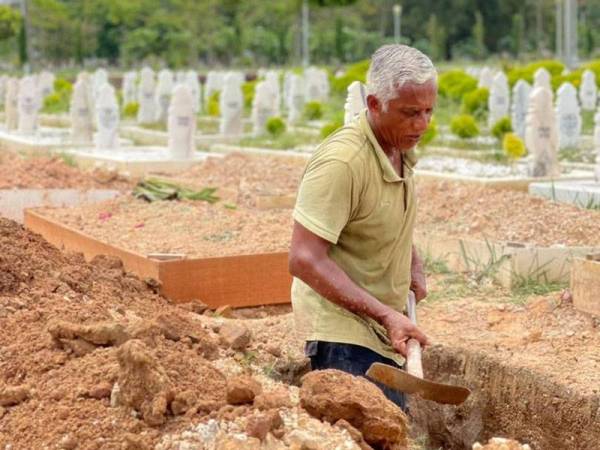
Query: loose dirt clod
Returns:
{"type": "Point", "coordinates": [332, 395]}
{"type": "Point", "coordinates": [501, 444]}
{"type": "Point", "coordinates": [242, 390]}
{"type": "Point", "coordinates": [144, 383]}
{"type": "Point", "coordinates": [235, 335]}
{"type": "Point", "coordinates": [13, 395]}
{"type": "Point", "coordinates": [261, 424]}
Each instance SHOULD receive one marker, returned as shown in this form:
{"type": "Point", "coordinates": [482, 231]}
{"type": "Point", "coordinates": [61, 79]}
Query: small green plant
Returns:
{"type": "Point", "coordinates": [513, 146]}
{"type": "Point", "coordinates": [59, 100]}
{"type": "Point", "coordinates": [330, 127]}
{"type": "Point", "coordinates": [313, 110]}
{"type": "Point", "coordinates": [62, 85]}
{"type": "Point", "coordinates": [213, 108]}
{"type": "Point", "coordinates": [131, 109]}
{"type": "Point", "coordinates": [248, 89]}
{"type": "Point", "coordinates": [476, 102]}
{"type": "Point", "coordinates": [464, 126]}
{"type": "Point", "coordinates": [501, 127]}
{"type": "Point", "coordinates": [275, 126]}
{"type": "Point", "coordinates": [355, 72]}
{"type": "Point", "coordinates": [68, 159]}
{"type": "Point", "coordinates": [455, 84]}
{"type": "Point", "coordinates": [430, 134]}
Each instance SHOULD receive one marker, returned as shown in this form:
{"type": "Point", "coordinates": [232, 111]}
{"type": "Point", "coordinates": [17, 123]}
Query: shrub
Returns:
{"type": "Point", "coordinates": [131, 109]}
{"type": "Point", "coordinates": [331, 127]}
{"type": "Point", "coordinates": [574, 78]}
{"type": "Point", "coordinates": [513, 146]}
{"type": "Point", "coordinates": [464, 126]}
{"type": "Point", "coordinates": [476, 102]}
{"type": "Point", "coordinates": [275, 126]}
{"type": "Point", "coordinates": [355, 72]}
{"type": "Point", "coordinates": [527, 72]}
{"type": "Point", "coordinates": [454, 84]}
{"type": "Point", "coordinates": [213, 108]}
{"type": "Point", "coordinates": [313, 110]}
{"type": "Point", "coordinates": [62, 85]}
{"type": "Point", "coordinates": [56, 102]}
{"type": "Point", "coordinates": [430, 134]}
{"type": "Point", "coordinates": [248, 89]}
{"type": "Point", "coordinates": [501, 127]}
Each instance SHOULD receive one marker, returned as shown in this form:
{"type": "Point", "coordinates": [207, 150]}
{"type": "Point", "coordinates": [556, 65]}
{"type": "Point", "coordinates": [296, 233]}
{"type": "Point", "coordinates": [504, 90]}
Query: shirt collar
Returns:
{"type": "Point", "coordinates": [389, 174]}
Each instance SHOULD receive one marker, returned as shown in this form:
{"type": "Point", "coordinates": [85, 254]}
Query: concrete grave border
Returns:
{"type": "Point", "coordinates": [507, 263]}
{"type": "Point", "coordinates": [585, 284]}
{"type": "Point", "coordinates": [238, 281]}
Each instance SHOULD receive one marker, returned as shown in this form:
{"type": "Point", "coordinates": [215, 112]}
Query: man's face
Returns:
{"type": "Point", "coordinates": [407, 116]}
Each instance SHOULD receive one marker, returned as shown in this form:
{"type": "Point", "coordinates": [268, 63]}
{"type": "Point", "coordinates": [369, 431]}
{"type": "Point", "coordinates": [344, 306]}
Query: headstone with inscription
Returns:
{"type": "Point", "coordinates": [588, 91]}
{"type": "Point", "coordinates": [129, 88]}
{"type": "Point", "coordinates": [262, 107]}
{"type": "Point", "coordinates": [107, 118]}
{"type": "Point", "coordinates": [499, 99]}
{"type": "Point", "coordinates": [11, 104]}
{"type": "Point", "coordinates": [182, 123]}
{"type": "Point", "coordinates": [541, 135]}
{"type": "Point", "coordinates": [541, 78]}
{"type": "Point", "coordinates": [29, 105]}
{"type": "Point", "coordinates": [356, 101]}
{"type": "Point", "coordinates": [519, 106]}
{"type": "Point", "coordinates": [568, 116]}
{"type": "Point", "coordinates": [231, 104]}
{"type": "Point", "coordinates": [81, 114]}
{"type": "Point", "coordinates": [295, 100]}
{"type": "Point", "coordinates": [163, 94]}
{"type": "Point", "coordinates": [146, 97]}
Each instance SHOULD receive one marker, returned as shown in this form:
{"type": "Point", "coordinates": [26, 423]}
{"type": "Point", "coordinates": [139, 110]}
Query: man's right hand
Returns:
{"type": "Point", "coordinates": [400, 329]}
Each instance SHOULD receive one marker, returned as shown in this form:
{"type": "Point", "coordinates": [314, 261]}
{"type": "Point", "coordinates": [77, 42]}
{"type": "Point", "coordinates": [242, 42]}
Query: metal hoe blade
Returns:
{"type": "Point", "coordinates": [400, 380]}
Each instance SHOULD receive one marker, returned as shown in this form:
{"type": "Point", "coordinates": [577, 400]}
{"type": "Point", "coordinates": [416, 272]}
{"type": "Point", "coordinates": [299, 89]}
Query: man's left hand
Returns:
{"type": "Point", "coordinates": [418, 282]}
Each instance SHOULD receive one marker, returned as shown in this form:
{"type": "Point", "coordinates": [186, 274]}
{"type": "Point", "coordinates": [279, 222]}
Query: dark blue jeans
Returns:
{"type": "Point", "coordinates": [352, 359]}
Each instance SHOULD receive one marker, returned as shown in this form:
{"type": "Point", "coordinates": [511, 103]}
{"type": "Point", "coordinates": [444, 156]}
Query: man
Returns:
{"type": "Point", "coordinates": [352, 255]}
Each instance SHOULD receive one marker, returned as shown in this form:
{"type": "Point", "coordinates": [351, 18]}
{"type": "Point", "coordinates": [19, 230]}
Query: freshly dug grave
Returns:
{"type": "Point", "coordinates": [534, 371]}
{"type": "Point", "coordinates": [92, 358]}
{"type": "Point", "coordinates": [459, 209]}
{"type": "Point", "coordinates": [195, 228]}
{"type": "Point", "coordinates": [41, 172]}
{"type": "Point", "coordinates": [246, 175]}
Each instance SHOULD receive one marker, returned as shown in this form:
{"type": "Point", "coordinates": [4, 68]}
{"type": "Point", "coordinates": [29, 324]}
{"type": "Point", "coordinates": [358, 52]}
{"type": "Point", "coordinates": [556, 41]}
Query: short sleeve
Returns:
{"type": "Point", "coordinates": [324, 202]}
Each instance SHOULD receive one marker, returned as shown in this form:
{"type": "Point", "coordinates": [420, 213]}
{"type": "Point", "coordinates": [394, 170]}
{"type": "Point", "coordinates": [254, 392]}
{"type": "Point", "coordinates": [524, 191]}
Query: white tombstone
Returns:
{"type": "Point", "coordinates": [295, 100]}
{"type": "Point", "coordinates": [588, 91]}
{"type": "Point", "coordinates": [191, 80]}
{"type": "Point", "coordinates": [46, 84]}
{"type": "Point", "coordinates": [182, 123]}
{"type": "Point", "coordinates": [180, 77]}
{"type": "Point", "coordinates": [29, 105]}
{"type": "Point", "coordinates": [312, 84]}
{"type": "Point", "coordinates": [231, 104]}
{"type": "Point", "coordinates": [568, 116]}
{"type": "Point", "coordinates": [107, 118]}
{"type": "Point", "coordinates": [541, 135]}
{"type": "Point", "coordinates": [499, 99]}
{"type": "Point", "coordinates": [11, 104]}
{"type": "Point", "coordinates": [356, 101]}
{"type": "Point", "coordinates": [272, 79]}
{"type": "Point", "coordinates": [129, 88]}
{"type": "Point", "coordinates": [146, 98]}
{"type": "Point", "coordinates": [542, 78]}
{"type": "Point", "coordinates": [3, 82]}
{"type": "Point", "coordinates": [164, 90]}
{"type": "Point", "coordinates": [486, 77]}
{"type": "Point", "coordinates": [100, 78]}
{"type": "Point", "coordinates": [597, 143]}
{"type": "Point", "coordinates": [519, 106]}
{"type": "Point", "coordinates": [81, 113]}
{"type": "Point", "coordinates": [287, 79]}
{"type": "Point", "coordinates": [262, 107]}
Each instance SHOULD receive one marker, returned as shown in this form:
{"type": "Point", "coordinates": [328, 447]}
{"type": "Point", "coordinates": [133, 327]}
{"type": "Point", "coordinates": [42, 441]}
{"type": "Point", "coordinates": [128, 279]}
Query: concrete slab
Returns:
{"type": "Point", "coordinates": [138, 161]}
{"type": "Point", "coordinates": [13, 202]}
{"type": "Point", "coordinates": [585, 285]}
{"type": "Point", "coordinates": [508, 263]}
{"type": "Point", "coordinates": [585, 194]}
{"type": "Point", "coordinates": [514, 183]}
{"type": "Point", "coordinates": [300, 157]}
{"type": "Point", "coordinates": [145, 136]}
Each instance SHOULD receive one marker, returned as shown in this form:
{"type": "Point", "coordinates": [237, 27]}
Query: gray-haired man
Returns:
{"type": "Point", "coordinates": [352, 255]}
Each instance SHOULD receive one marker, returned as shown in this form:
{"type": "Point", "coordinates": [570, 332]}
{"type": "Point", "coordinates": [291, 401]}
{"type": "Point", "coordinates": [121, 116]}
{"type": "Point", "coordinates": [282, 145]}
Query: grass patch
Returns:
{"type": "Point", "coordinates": [528, 287]}
{"type": "Point", "coordinates": [285, 141]}
{"type": "Point", "coordinates": [434, 265]}
{"type": "Point", "coordinates": [68, 159]}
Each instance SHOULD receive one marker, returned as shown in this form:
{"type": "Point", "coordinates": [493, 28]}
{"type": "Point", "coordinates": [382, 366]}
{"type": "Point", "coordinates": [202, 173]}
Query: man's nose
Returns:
{"type": "Point", "coordinates": [421, 122]}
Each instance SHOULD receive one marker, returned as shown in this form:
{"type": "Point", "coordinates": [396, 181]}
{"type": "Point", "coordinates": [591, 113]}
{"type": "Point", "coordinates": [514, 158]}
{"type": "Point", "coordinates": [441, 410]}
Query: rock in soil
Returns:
{"type": "Point", "coordinates": [332, 395]}
{"type": "Point", "coordinates": [144, 383]}
{"type": "Point", "coordinates": [501, 444]}
{"type": "Point", "coordinates": [235, 335]}
{"type": "Point", "coordinates": [242, 389]}
{"type": "Point", "coordinates": [13, 395]}
{"type": "Point", "coordinates": [261, 424]}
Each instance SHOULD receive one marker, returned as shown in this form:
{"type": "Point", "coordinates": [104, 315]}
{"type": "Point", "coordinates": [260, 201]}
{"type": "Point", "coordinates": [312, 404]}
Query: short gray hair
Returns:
{"type": "Point", "coordinates": [394, 65]}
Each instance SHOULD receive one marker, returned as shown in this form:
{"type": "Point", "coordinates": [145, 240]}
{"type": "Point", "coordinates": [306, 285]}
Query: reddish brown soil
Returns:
{"type": "Point", "coordinates": [42, 172]}
{"type": "Point", "coordinates": [456, 209]}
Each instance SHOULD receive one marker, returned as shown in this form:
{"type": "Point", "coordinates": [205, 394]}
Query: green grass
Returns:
{"type": "Point", "coordinates": [434, 265]}
{"type": "Point", "coordinates": [68, 159]}
{"type": "Point", "coordinates": [285, 141]}
{"type": "Point", "coordinates": [588, 122]}
{"type": "Point", "coordinates": [528, 287]}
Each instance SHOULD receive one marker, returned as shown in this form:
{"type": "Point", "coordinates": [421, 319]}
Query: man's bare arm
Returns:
{"type": "Point", "coordinates": [418, 283]}
{"type": "Point", "coordinates": [309, 261]}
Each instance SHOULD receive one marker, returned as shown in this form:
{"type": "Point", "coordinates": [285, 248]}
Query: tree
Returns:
{"type": "Point", "coordinates": [518, 33]}
{"type": "Point", "coordinates": [479, 36]}
{"type": "Point", "coordinates": [436, 34]}
{"type": "Point", "coordinates": [10, 22]}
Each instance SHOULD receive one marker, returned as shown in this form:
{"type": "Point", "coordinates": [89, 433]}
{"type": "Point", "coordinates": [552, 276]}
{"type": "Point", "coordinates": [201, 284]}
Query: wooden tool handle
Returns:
{"type": "Point", "coordinates": [413, 347]}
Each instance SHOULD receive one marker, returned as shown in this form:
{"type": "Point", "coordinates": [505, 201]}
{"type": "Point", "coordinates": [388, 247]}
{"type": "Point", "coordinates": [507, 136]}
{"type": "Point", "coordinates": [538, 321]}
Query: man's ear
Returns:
{"type": "Point", "coordinates": [373, 104]}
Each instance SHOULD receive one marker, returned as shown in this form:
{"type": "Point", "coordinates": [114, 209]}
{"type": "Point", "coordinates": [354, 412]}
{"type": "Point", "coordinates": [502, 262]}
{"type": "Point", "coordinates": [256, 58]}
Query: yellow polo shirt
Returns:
{"type": "Point", "coordinates": [351, 196]}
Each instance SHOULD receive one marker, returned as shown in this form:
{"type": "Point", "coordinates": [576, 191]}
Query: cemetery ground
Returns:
{"type": "Point", "coordinates": [93, 357]}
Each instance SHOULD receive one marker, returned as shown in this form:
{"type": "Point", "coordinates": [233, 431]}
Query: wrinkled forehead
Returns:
{"type": "Point", "coordinates": [414, 94]}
